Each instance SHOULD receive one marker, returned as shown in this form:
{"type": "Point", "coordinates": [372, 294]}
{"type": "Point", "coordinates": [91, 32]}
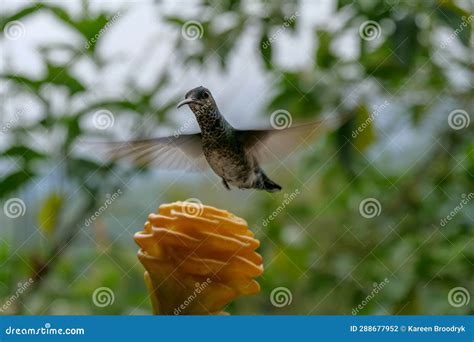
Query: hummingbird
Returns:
{"type": "Point", "coordinates": [235, 155]}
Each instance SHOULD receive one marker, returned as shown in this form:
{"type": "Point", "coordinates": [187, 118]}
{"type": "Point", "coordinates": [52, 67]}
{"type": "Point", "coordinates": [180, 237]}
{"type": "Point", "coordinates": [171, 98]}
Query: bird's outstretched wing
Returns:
{"type": "Point", "coordinates": [183, 152]}
{"type": "Point", "coordinates": [274, 144]}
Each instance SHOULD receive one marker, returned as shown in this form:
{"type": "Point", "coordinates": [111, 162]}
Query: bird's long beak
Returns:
{"type": "Point", "coordinates": [185, 102]}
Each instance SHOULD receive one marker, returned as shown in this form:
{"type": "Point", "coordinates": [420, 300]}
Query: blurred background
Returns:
{"type": "Point", "coordinates": [374, 218]}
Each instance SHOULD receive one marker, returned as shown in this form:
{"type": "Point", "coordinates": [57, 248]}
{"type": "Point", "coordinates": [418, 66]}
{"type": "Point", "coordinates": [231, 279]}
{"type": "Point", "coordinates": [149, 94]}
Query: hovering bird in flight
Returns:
{"type": "Point", "coordinates": [233, 154]}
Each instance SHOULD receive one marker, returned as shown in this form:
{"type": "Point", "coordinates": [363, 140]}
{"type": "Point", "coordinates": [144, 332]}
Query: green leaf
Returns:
{"type": "Point", "coordinates": [457, 19]}
{"type": "Point", "coordinates": [343, 3]}
{"type": "Point", "coordinates": [61, 14]}
{"type": "Point", "coordinates": [73, 129]}
{"type": "Point", "coordinates": [175, 20]}
{"type": "Point", "coordinates": [364, 132]}
{"type": "Point", "coordinates": [30, 85]}
{"type": "Point", "coordinates": [23, 152]}
{"type": "Point", "coordinates": [49, 213]}
{"type": "Point", "coordinates": [266, 51]}
{"type": "Point", "coordinates": [6, 254]}
{"type": "Point", "coordinates": [60, 75]}
{"type": "Point", "coordinates": [324, 57]}
{"type": "Point", "coordinates": [89, 26]}
{"type": "Point", "coordinates": [345, 149]}
{"type": "Point", "coordinates": [405, 42]}
{"type": "Point", "coordinates": [20, 14]}
{"type": "Point", "coordinates": [92, 29]}
{"type": "Point", "coordinates": [14, 181]}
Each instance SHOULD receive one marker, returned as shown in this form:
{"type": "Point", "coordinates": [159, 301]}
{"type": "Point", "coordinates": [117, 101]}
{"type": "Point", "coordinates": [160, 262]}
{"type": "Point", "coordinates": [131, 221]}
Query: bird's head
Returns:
{"type": "Point", "coordinates": [199, 100]}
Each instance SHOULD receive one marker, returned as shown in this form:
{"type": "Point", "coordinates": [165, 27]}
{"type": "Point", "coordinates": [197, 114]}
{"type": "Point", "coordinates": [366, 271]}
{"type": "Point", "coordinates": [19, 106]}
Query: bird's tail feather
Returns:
{"type": "Point", "coordinates": [271, 186]}
{"type": "Point", "coordinates": [267, 184]}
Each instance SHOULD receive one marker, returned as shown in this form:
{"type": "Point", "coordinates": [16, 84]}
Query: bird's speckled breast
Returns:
{"type": "Point", "coordinates": [225, 155]}
{"type": "Point", "coordinates": [229, 162]}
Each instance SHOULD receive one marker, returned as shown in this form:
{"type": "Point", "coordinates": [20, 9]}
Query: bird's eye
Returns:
{"type": "Point", "coordinates": [206, 95]}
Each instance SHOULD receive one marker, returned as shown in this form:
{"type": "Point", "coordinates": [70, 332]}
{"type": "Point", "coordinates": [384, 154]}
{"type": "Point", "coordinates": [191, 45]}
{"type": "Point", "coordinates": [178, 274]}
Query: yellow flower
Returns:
{"type": "Point", "coordinates": [197, 259]}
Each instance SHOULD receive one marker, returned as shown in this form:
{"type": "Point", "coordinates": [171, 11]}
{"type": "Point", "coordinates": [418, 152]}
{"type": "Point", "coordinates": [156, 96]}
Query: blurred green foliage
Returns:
{"type": "Point", "coordinates": [320, 247]}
